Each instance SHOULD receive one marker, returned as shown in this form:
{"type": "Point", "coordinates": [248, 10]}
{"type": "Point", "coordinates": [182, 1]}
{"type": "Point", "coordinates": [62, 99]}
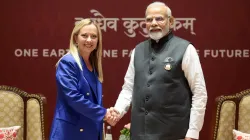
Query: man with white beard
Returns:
{"type": "Point", "coordinates": [164, 82]}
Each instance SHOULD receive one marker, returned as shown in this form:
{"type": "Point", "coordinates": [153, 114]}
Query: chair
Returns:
{"type": "Point", "coordinates": [233, 112]}
{"type": "Point", "coordinates": [18, 108]}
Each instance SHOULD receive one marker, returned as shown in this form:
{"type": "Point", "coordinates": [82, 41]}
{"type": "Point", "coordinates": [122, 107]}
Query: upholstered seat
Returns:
{"type": "Point", "coordinates": [233, 112]}
{"type": "Point", "coordinates": [18, 108]}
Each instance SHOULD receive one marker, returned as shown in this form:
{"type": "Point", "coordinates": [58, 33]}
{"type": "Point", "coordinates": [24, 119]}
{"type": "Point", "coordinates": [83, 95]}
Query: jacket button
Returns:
{"type": "Point", "coordinates": [150, 72]}
{"type": "Point", "coordinates": [81, 130]}
{"type": "Point", "coordinates": [147, 98]}
{"type": "Point", "coordinates": [152, 58]}
{"type": "Point", "coordinates": [146, 112]}
{"type": "Point", "coordinates": [87, 94]}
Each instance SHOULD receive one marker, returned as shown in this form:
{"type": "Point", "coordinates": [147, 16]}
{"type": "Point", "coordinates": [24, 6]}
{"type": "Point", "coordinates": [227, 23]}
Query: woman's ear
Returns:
{"type": "Point", "coordinates": [75, 39]}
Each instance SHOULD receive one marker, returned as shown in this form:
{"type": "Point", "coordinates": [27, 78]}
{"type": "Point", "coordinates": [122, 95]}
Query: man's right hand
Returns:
{"type": "Point", "coordinates": [112, 116]}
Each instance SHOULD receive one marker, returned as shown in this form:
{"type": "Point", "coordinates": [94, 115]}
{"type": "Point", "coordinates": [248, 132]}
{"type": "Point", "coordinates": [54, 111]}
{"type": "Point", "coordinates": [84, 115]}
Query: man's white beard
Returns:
{"type": "Point", "coordinates": [158, 35]}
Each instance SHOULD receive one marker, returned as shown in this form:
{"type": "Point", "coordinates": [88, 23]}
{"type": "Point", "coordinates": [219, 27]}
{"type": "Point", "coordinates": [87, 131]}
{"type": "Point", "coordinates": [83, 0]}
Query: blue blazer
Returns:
{"type": "Point", "coordinates": [79, 113]}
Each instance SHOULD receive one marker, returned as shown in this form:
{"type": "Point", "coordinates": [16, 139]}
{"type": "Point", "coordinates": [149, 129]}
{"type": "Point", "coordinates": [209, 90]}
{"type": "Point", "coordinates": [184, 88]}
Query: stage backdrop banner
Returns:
{"type": "Point", "coordinates": [35, 34]}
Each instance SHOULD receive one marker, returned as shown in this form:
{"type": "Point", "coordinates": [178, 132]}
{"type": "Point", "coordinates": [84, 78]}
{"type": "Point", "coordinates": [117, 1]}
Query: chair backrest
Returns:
{"type": "Point", "coordinates": [26, 110]}
{"type": "Point", "coordinates": [233, 112]}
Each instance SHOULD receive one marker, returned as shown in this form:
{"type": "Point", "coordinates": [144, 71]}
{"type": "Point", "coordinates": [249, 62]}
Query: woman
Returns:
{"type": "Point", "coordinates": [79, 113]}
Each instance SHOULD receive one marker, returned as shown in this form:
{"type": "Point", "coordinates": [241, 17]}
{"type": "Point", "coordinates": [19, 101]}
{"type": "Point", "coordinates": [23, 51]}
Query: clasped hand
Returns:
{"type": "Point", "coordinates": [112, 116]}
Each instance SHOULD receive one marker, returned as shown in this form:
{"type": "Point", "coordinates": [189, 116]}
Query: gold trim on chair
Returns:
{"type": "Point", "coordinates": [26, 96]}
{"type": "Point", "coordinates": [236, 98]}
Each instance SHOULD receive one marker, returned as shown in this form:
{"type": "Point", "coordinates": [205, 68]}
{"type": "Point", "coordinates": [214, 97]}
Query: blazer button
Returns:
{"type": "Point", "coordinates": [81, 130]}
{"type": "Point", "coordinates": [87, 94]}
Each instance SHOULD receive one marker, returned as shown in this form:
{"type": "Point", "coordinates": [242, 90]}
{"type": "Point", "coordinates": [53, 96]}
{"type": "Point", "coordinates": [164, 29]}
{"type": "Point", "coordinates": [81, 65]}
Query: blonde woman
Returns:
{"type": "Point", "coordinates": [79, 112]}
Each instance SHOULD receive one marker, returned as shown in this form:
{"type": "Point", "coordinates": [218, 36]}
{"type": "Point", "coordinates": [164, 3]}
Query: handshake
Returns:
{"type": "Point", "coordinates": [112, 116]}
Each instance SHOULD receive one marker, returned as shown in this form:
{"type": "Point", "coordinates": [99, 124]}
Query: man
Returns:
{"type": "Point", "coordinates": [164, 82]}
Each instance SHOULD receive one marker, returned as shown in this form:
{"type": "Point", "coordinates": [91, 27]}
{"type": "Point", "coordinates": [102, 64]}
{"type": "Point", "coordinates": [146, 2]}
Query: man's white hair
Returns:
{"type": "Point", "coordinates": [157, 3]}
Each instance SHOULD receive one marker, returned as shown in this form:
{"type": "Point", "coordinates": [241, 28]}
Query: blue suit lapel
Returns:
{"type": "Point", "coordinates": [98, 90]}
{"type": "Point", "coordinates": [94, 87]}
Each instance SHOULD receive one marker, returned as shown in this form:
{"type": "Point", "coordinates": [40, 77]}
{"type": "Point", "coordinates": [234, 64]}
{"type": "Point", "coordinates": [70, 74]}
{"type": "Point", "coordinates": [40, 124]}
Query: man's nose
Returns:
{"type": "Point", "coordinates": [154, 23]}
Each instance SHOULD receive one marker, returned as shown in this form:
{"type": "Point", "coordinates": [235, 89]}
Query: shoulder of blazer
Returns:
{"type": "Point", "coordinates": [68, 59]}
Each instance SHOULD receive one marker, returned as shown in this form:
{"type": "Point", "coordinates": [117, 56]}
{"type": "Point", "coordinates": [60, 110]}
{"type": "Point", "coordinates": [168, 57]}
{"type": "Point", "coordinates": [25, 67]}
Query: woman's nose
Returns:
{"type": "Point", "coordinates": [89, 38]}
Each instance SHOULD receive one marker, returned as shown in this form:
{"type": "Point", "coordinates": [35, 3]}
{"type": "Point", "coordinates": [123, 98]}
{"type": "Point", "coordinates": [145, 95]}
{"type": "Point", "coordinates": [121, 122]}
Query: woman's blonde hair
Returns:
{"type": "Point", "coordinates": [96, 55]}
